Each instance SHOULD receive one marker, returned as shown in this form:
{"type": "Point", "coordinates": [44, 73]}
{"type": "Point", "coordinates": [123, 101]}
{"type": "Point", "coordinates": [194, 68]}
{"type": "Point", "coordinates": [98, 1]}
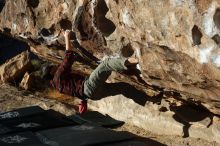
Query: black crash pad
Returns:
{"type": "Point", "coordinates": [44, 120]}
{"type": "Point", "coordinates": [83, 135]}
{"type": "Point", "coordinates": [96, 118]}
{"type": "Point", "coordinates": [22, 112]}
{"type": "Point", "coordinates": [20, 139]}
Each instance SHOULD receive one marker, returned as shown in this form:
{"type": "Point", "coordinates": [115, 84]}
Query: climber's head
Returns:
{"type": "Point", "coordinates": [48, 71]}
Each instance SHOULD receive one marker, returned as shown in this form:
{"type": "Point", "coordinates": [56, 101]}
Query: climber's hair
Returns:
{"type": "Point", "coordinates": [48, 71]}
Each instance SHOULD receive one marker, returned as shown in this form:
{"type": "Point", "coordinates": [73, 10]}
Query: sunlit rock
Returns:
{"type": "Point", "coordinates": [15, 68]}
{"type": "Point", "coordinates": [176, 42]}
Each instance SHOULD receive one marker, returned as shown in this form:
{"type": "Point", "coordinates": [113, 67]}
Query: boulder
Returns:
{"type": "Point", "coordinates": [27, 81]}
{"type": "Point", "coordinates": [15, 68]}
{"type": "Point", "coordinates": [177, 44]}
{"type": "Point", "coordinates": [181, 120]}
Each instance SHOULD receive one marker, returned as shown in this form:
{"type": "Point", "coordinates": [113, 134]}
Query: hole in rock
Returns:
{"type": "Point", "coordinates": [106, 26]}
{"type": "Point", "coordinates": [45, 32]}
{"type": "Point", "coordinates": [163, 109]}
{"type": "Point", "coordinates": [196, 35]}
{"type": "Point", "coordinates": [127, 50]}
{"type": "Point", "coordinates": [117, 1]}
{"type": "Point", "coordinates": [216, 38]}
{"type": "Point", "coordinates": [33, 3]}
{"type": "Point", "coordinates": [2, 4]}
{"type": "Point", "coordinates": [65, 24]}
{"type": "Point", "coordinates": [52, 29]}
{"type": "Point", "coordinates": [10, 47]}
{"type": "Point", "coordinates": [7, 30]}
{"type": "Point", "coordinates": [216, 18]}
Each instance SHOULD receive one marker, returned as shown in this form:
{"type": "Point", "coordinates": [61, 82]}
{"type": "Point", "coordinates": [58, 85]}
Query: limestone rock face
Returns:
{"type": "Point", "coordinates": [27, 81]}
{"type": "Point", "coordinates": [177, 42]}
{"type": "Point", "coordinates": [15, 68]}
{"type": "Point", "coordinates": [183, 121]}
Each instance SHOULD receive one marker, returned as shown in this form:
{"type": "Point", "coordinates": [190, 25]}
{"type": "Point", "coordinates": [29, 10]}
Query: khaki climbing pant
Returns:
{"type": "Point", "coordinates": [101, 74]}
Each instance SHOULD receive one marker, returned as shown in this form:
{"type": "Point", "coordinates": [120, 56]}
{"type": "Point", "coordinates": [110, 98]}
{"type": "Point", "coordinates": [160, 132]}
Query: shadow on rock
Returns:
{"type": "Point", "coordinates": [2, 4]}
{"type": "Point", "coordinates": [150, 142]}
{"type": "Point", "coordinates": [7, 46]}
{"type": "Point", "coordinates": [127, 90]}
{"type": "Point", "coordinates": [190, 115]}
{"type": "Point", "coordinates": [138, 141]}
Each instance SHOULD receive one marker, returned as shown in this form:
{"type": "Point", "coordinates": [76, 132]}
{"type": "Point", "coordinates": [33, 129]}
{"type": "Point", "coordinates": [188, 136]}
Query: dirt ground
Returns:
{"type": "Point", "coordinates": [161, 140]}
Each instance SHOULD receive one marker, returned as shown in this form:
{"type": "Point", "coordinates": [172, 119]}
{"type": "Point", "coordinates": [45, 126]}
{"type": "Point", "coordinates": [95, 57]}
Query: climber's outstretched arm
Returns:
{"type": "Point", "coordinates": [67, 40]}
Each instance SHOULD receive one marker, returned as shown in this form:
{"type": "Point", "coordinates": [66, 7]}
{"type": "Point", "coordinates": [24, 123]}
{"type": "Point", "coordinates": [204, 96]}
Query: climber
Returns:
{"type": "Point", "coordinates": [76, 85]}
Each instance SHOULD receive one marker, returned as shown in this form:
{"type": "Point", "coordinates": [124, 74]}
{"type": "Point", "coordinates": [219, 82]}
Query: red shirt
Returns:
{"type": "Point", "coordinates": [67, 82]}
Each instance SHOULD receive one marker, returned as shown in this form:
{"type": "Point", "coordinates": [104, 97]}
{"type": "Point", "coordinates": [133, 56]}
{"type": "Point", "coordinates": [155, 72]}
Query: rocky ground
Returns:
{"type": "Point", "coordinates": [12, 97]}
{"type": "Point", "coordinates": [150, 138]}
